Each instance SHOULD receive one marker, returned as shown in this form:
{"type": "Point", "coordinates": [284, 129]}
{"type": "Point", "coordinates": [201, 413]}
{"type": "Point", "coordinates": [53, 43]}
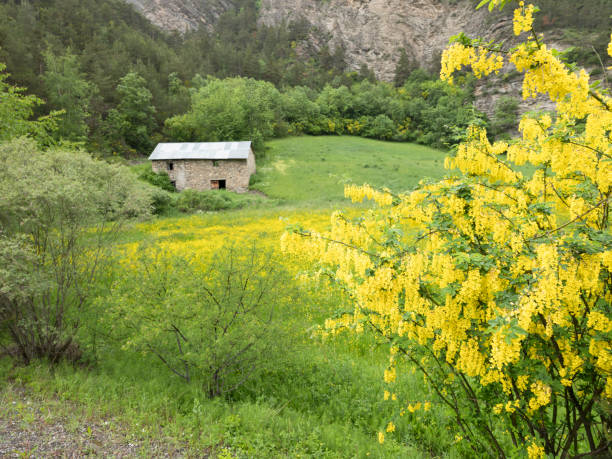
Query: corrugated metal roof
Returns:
{"type": "Point", "coordinates": [201, 150]}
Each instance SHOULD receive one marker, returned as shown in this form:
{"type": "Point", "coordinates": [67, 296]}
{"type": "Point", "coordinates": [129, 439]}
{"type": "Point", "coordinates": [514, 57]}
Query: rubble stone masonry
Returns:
{"type": "Point", "coordinates": [201, 174]}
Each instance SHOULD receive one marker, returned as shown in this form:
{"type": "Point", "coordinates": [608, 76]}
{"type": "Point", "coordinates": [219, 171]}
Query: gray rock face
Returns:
{"type": "Point", "coordinates": [373, 31]}
{"type": "Point", "coordinates": [182, 15]}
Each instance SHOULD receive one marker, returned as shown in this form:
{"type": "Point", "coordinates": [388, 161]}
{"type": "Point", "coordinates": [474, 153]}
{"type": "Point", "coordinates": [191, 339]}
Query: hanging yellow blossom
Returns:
{"type": "Point", "coordinates": [523, 18]}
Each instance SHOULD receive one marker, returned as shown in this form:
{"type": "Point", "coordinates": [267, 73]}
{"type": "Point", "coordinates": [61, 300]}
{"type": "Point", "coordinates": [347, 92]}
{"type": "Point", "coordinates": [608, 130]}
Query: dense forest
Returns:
{"type": "Point", "coordinates": [120, 84]}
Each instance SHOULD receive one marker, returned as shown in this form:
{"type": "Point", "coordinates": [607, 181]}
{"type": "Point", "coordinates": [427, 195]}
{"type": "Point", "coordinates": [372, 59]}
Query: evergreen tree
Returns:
{"type": "Point", "coordinates": [68, 90]}
{"type": "Point", "coordinates": [133, 121]}
{"type": "Point", "coordinates": [366, 73]}
{"type": "Point", "coordinates": [403, 69]}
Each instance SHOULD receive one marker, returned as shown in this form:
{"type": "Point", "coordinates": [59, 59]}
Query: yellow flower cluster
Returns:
{"type": "Point", "coordinates": [541, 395]}
{"type": "Point", "coordinates": [599, 322]}
{"type": "Point", "coordinates": [360, 193]}
{"type": "Point", "coordinates": [390, 375]}
{"type": "Point", "coordinates": [535, 451]}
{"type": "Point", "coordinates": [416, 407]}
{"type": "Point", "coordinates": [482, 61]}
{"type": "Point", "coordinates": [523, 18]}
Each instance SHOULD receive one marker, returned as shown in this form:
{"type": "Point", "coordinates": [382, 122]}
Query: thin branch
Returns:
{"type": "Point", "coordinates": [350, 246]}
{"type": "Point", "coordinates": [579, 217]}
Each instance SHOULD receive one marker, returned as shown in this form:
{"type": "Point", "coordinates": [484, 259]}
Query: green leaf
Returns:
{"type": "Point", "coordinates": [482, 3]}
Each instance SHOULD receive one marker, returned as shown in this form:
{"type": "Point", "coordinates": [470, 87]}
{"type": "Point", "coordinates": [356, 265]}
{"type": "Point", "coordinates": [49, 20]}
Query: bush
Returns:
{"type": "Point", "coordinates": [58, 211]}
{"type": "Point", "coordinates": [162, 202]}
{"type": "Point", "coordinates": [191, 200]}
{"type": "Point", "coordinates": [380, 128]}
{"type": "Point", "coordinates": [214, 200]}
{"type": "Point", "coordinates": [211, 322]}
{"type": "Point", "coordinates": [158, 179]}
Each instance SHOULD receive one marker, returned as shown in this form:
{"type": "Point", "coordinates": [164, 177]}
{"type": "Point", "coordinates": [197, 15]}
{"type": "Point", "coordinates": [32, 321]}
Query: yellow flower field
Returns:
{"type": "Point", "coordinates": [198, 236]}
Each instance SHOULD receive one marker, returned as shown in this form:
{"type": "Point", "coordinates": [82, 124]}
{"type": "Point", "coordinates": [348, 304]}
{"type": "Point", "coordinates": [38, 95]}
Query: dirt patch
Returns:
{"type": "Point", "coordinates": [258, 193]}
{"type": "Point", "coordinates": [32, 427]}
{"type": "Point", "coordinates": [281, 165]}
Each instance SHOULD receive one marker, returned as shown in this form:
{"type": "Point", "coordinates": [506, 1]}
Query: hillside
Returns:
{"type": "Point", "coordinates": [52, 46]}
{"type": "Point", "coordinates": [369, 32]}
{"type": "Point", "coordinates": [378, 34]}
{"type": "Point", "coordinates": [373, 32]}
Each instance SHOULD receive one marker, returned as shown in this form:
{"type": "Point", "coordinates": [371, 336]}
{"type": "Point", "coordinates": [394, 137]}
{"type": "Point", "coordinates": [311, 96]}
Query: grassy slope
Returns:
{"type": "Point", "coordinates": [314, 169]}
{"type": "Point", "coordinates": [325, 398]}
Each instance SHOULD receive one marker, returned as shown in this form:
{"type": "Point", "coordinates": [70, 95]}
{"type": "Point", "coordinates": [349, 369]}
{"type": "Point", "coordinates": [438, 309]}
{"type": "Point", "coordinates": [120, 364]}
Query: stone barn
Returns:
{"type": "Point", "coordinates": [206, 166]}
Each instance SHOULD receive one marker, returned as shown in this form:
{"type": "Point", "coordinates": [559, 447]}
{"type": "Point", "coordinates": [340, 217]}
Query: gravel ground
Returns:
{"type": "Point", "coordinates": [31, 427]}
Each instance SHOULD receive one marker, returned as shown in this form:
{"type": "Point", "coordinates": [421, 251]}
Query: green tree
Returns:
{"type": "Point", "coordinates": [68, 90]}
{"type": "Point", "coordinates": [382, 127]}
{"type": "Point", "coordinates": [58, 212]}
{"type": "Point", "coordinates": [230, 109]}
{"type": "Point", "coordinates": [178, 96]}
{"type": "Point", "coordinates": [133, 121]}
{"type": "Point", "coordinates": [403, 69]}
{"type": "Point", "coordinates": [16, 112]}
{"type": "Point", "coordinates": [298, 109]}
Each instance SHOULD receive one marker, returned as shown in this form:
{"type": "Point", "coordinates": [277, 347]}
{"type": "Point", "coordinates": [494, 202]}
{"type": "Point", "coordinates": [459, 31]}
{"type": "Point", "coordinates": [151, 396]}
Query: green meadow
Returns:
{"type": "Point", "coordinates": [313, 170]}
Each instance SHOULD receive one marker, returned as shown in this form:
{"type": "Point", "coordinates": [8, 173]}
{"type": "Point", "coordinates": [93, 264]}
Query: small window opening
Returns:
{"type": "Point", "coordinates": [215, 163]}
{"type": "Point", "coordinates": [170, 166]}
{"type": "Point", "coordinates": [217, 184]}
{"type": "Point", "coordinates": [173, 183]}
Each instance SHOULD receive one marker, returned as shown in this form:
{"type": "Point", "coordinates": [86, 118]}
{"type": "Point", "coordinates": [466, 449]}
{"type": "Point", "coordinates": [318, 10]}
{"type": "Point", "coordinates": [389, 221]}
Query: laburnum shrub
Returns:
{"type": "Point", "coordinates": [495, 283]}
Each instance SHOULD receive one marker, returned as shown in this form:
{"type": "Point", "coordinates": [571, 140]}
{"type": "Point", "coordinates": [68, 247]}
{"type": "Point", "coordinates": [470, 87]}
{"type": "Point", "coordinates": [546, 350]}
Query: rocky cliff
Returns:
{"type": "Point", "coordinates": [182, 15]}
{"type": "Point", "coordinates": [371, 32]}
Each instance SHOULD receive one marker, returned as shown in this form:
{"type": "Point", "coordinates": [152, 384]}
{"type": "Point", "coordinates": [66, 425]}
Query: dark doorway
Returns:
{"type": "Point", "coordinates": [217, 184]}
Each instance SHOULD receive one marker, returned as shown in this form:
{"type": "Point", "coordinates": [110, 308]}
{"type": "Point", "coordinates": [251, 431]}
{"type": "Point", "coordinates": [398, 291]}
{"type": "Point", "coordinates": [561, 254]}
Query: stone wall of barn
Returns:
{"type": "Point", "coordinates": [199, 174]}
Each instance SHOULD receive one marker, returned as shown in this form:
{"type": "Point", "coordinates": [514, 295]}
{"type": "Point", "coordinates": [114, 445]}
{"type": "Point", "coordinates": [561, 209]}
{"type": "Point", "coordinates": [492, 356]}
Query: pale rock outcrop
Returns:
{"type": "Point", "coordinates": [372, 32]}
{"type": "Point", "coordinates": [182, 15]}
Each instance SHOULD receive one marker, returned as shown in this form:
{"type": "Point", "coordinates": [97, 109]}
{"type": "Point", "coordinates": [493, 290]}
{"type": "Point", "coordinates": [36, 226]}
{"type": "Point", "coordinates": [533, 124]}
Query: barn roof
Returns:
{"type": "Point", "coordinates": [201, 150]}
